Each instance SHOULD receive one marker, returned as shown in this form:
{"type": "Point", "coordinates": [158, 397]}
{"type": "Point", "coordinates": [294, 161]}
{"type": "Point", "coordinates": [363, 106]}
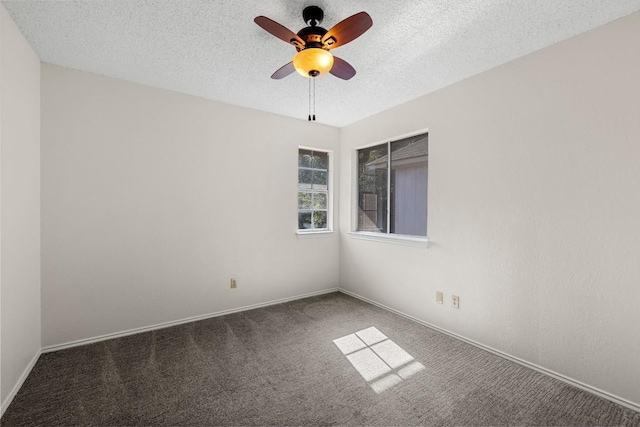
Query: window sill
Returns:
{"type": "Point", "coordinates": [422, 242]}
{"type": "Point", "coordinates": [312, 234]}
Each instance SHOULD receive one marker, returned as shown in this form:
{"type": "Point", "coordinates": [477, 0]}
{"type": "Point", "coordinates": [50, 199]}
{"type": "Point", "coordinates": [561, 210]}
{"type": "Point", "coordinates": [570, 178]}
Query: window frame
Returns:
{"type": "Point", "coordinates": [386, 237]}
{"type": "Point", "coordinates": [330, 186]}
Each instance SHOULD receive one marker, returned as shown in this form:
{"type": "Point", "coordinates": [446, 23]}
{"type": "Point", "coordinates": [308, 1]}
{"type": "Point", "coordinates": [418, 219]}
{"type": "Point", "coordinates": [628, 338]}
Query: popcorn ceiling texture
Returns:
{"type": "Point", "coordinates": [213, 49]}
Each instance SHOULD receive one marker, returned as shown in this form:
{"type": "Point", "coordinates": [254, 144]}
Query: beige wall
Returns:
{"type": "Point", "coordinates": [533, 210]}
{"type": "Point", "coordinates": [20, 211]}
{"type": "Point", "coordinates": [153, 200]}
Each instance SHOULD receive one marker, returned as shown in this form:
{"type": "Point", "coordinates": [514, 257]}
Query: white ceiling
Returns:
{"type": "Point", "coordinates": [213, 49]}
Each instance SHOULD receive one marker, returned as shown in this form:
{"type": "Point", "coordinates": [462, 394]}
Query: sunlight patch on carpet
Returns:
{"type": "Point", "coordinates": [381, 362]}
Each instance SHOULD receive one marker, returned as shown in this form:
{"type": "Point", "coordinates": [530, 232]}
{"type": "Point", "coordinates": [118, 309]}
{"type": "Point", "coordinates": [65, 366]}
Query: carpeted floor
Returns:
{"type": "Point", "coordinates": [279, 365]}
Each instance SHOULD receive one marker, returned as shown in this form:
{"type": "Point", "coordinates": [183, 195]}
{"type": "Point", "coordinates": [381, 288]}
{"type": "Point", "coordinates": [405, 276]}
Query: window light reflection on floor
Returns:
{"type": "Point", "coordinates": [381, 362]}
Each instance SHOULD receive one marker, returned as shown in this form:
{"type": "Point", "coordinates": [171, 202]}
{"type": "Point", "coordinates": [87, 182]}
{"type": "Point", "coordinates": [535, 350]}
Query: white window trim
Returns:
{"type": "Point", "coordinates": [330, 184]}
{"type": "Point", "coordinates": [303, 234]}
{"type": "Point", "coordinates": [401, 239]}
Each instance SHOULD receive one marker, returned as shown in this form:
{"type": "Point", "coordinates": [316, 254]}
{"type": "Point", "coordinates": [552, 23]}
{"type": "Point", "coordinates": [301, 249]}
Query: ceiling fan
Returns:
{"type": "Point", "coordinates": [314, 43]}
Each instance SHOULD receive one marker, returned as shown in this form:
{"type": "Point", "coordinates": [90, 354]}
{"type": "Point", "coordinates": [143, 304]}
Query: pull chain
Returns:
{"type": "Point", "coordinates": [309, 99]}
{"type": "Point", "coordinates": [314, 99]}
{"type": "Point", "coordinates": [312, 94]}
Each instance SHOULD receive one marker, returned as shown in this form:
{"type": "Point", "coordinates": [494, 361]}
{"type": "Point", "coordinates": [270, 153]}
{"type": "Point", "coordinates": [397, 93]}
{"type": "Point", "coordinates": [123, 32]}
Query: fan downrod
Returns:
{"type": "Point", "coordinates": [312, 15]}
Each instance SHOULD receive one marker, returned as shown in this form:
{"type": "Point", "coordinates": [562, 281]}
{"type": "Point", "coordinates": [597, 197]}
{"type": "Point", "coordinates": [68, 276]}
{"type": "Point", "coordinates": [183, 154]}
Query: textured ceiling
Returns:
{"type": "Point", "coordinates": [213, 49]}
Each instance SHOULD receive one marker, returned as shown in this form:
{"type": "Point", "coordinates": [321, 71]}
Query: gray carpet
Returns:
{"type": "Point", "coordinates": [278, 365]}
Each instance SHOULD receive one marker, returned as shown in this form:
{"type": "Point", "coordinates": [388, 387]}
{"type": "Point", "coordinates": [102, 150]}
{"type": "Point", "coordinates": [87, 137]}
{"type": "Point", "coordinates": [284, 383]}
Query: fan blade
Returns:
{"type": "Point", "coordinates": [347, 30]}
{"type": "Point", "coordinates": [278, 30]}
{"type": "Point", "coordinates": [283, 71]}
{"type": "Point", "coordinates": [342, 69]}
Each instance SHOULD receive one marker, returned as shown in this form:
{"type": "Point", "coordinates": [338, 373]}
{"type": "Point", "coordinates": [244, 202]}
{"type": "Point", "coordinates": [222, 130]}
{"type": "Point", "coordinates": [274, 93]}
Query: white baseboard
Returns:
{"type": "Point", "coordinates": [105, 337]}
{"type": "Point", "coordinates": [21, 380]}
{"type": "Point", "coordinates": [606, 395]}
{"type": "Point", "coordinates": [586, 387]}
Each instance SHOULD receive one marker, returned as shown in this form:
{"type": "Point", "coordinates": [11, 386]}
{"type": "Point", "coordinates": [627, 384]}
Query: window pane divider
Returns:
{"type": "Point", "coordinates": [388, 187]}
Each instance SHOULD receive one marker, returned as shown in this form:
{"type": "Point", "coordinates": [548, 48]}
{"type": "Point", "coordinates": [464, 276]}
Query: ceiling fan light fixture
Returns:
{"type": "Point", "coordinates": [313, 62]}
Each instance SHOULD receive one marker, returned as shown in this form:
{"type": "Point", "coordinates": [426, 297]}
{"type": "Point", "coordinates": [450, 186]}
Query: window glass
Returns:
{"type": "Point", "coordinates": [305, 178]}
{"type": "Point", "coordinates": [304, 158]}
{"type": "Point", "coordinates": [304, 220]}
{"type": "Point", "coordinates": [320, 160]}
{"type": "Point", "coordinates": [319, 219]}
{"type": "Point", "coordinates": [408, 195]}
{"type": "Point", "coordinates": [313, 190]}
{"type": "Point", "coordinates": [319, 201]}
{"type": "Point", "coordinates": [320, 180]}
{"type": "Point", "coordinates": [304, 200]}
{"type": "Point", "coordinates": [372, 188]}
{"type": "Point", "coordinates": [396, 185]}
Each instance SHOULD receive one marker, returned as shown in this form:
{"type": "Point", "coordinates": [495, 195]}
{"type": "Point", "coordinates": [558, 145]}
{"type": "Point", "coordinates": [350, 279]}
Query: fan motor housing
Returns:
{"type": "Point", "coordinates": [312, 36]}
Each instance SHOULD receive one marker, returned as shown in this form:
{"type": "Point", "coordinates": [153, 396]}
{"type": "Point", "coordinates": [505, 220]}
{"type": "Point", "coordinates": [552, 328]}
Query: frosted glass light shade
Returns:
{"type": "Point", "coordinates": [313, 62]}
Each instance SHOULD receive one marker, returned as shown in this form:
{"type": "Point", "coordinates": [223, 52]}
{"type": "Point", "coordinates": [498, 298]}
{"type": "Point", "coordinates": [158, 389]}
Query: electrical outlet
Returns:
{"type": "Point", "coordinates": [455, 301]}
{"type": "Point", "coordinates": [439, 297]}
{"type": "Point", "coordinates": [234, 283]}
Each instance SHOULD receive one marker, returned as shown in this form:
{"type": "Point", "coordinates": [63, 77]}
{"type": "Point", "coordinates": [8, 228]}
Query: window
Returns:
{"type": "Point", "coordinates": [314, 197]}
{"type": "Point", "coordinates": [392, 187]}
